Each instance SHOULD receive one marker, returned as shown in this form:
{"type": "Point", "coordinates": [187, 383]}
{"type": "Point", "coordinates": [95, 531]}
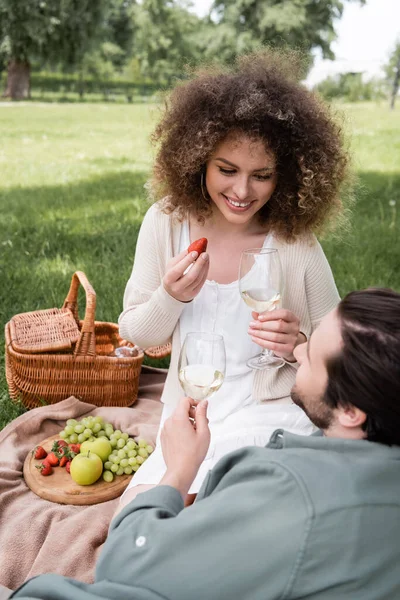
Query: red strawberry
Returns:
{"type": "Point", "coordinates": [68, 466]}
{"type": "Point", "coordinates": [45, 468]}
{"type": "Point", "coordinates": [63, 461]}
{"type": "Point", "coordinates": [74, 448]}
{"type": "Point", "coordinates": [39, 452]}
{"type": "Point", "coordinates": [52, 459]}
{"type": "Point", "coordinates": [58, 445]}
{"type": "Point", "coordinates": [198, 246]}
{"type": "Point", "coordinates": [63, 451]}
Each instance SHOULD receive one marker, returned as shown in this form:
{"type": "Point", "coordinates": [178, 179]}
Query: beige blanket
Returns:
{"type": "Point", "coordinates": [38, 536]}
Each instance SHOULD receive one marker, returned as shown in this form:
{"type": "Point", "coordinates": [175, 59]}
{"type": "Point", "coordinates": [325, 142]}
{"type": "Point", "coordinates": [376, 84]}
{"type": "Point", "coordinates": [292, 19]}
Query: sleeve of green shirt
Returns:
{"type": "Point", "coordinates": [244, 539]}
{"type": "Point", "coordinates": [247, 532]}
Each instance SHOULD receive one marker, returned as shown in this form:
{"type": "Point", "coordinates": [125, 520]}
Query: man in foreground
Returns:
{"type": "Point", "coordinates": [307, 517]}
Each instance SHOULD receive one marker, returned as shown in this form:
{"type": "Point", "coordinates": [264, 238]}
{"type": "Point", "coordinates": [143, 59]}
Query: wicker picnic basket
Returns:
{"type": "Point", "coordinates": [51, 355]}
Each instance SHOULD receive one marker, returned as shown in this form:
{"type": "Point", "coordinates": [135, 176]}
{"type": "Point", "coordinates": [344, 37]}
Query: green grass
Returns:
{"type": "Point", "coordinates": [72, 197]}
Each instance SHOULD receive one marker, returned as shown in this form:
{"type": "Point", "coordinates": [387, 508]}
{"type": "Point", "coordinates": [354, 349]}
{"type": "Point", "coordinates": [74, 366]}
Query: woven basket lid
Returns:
{"type": "Point", "coordinates": [42, 331]}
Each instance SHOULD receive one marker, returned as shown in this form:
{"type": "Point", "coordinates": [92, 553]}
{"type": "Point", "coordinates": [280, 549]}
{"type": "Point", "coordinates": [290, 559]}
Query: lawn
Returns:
{"type": "Point", "coordinates": [72, 197]}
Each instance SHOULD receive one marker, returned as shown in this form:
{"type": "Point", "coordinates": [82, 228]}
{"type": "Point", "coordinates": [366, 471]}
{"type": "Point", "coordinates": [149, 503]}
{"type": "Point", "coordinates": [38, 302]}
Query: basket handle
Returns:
{"type": "Point", "coordinates": [86, 345]}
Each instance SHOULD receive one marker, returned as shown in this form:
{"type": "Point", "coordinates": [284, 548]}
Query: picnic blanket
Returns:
{"type": "Point", "coordinates": [38, 536]}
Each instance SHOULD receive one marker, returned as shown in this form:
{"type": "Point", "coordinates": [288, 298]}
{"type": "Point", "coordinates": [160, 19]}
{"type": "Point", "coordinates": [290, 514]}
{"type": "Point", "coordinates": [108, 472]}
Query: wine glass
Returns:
{"type": "Point", "coordinates": [202, 363]}
{"type": "Point", "coordinates": [261, 285]}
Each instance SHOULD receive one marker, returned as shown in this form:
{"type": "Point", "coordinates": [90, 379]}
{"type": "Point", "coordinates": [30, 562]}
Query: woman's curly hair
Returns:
{"type": "Point", "coordinates": [262, 98]}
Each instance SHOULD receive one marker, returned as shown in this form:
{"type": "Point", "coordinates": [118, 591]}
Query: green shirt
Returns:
{"type": "Point", "coordinates": [306, 517]}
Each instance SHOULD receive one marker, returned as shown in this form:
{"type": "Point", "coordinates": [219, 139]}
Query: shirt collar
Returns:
{"type": "Point", "coordinates": [281, 439]}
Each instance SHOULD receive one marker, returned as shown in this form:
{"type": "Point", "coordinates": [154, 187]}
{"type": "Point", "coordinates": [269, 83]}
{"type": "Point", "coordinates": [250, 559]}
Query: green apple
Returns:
{"type": "Point", "coordinates": [100, 446]}
{"type": "Point", "coordinates": [86, 468]}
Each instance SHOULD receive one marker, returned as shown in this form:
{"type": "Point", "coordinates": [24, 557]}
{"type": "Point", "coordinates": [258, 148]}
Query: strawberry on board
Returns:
{"type": "Point", "coordinates": [52, 459]}
{"type": "Point", "coordinates": [58, 445]}
{"type": "Point", "coordinates": [45, 468]}
{"type": "Point", "coordinates": [199, 246]}
{"type": "Point", "coordinates": [39, 452]}
{"type": "Point", "coordinates": [63, 451]}
{"type": "Point", "coordinates": [68, 466]}
{"type": "Point", "coordinates": [63, 460]}
{"type": "Point", "coordinates": [75, 448]}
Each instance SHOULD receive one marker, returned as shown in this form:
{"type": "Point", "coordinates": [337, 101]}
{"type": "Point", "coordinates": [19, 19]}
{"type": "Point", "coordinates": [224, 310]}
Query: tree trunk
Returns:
{"type": "Point", "coordinates": [18, 80]}
{"type": "Point", "coordinates": [80, 84]}
{"type": "Point", "coordinates": [395, 85]}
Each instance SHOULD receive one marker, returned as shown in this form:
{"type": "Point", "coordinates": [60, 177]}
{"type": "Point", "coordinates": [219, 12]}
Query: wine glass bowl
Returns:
{"type": "Point", "coordinates": [202, 364]}
{"type": "Point", "coordinates": [260, 286]}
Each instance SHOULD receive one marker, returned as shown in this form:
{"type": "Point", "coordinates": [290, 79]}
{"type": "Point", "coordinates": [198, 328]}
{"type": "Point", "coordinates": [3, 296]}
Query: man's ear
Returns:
{"type": "Point", "coordinates": [351, 417]}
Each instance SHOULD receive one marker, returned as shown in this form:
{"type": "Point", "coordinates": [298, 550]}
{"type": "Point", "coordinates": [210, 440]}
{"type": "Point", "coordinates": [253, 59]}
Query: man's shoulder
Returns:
{"type": "Point", "coordinates": [310, 460]}
{"type": "Point", "coordinates": [340, 473]}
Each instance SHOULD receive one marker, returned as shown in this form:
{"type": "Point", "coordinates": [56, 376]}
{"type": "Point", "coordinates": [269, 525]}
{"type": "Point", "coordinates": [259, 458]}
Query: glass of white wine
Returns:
{"type": "Point", "coordinates": [260, 285]}
{"type": "Point", "coordinates": [202, 363]}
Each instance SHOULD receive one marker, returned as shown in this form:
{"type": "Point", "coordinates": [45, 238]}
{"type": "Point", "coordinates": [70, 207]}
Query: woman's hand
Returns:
{"type": "Point", "coordinates": [277, 330]}
{"type": "Point", "coordinates": [182, 285]}
{"type": "Point", "coordinates": [185, 439]}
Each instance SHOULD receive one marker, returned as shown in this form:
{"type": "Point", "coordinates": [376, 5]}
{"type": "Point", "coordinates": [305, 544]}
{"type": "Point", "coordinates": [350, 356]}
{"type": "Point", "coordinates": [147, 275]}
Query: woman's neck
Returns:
{"type": "Point", "coordinates": [218, 223]}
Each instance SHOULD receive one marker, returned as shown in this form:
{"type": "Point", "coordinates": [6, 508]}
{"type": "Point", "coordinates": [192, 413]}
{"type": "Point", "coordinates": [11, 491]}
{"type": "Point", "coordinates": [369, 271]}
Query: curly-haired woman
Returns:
{"type": "Point", "coordinates": [247, 158]}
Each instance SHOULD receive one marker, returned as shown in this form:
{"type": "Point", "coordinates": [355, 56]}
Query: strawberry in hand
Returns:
{"type": "Point", "coordinates": [199, 246]}
{"type": "Point", "coordinates": [187, 272]}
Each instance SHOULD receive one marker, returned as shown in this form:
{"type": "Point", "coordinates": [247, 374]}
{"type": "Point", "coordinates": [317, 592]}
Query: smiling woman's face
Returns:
{"type": "Point", "coordinates": [241, 177]}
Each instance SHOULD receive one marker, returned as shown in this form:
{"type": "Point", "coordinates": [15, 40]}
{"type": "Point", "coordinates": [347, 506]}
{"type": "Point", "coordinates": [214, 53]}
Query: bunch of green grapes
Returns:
{"type": "Point", "coordinates": [127, 454]}
{"type": "Point", "coordinates": [88, 428]}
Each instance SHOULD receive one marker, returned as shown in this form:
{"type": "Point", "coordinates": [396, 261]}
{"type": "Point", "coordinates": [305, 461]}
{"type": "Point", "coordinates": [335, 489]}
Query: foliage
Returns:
{"type": "Point", "coordinates": [72, 197]}
{"type": "Point", "coordinates": [56, 30]}
{"type": "Point", "coordinates": [351, 87]}
{"type": "Point", "coordinates": [393, 73]}
{"type": "Point", "coordinates": [115, 42]}
{"type": "Point", "coordinates": [165, 39]}
{"type": "Point", "coordinates": [101, 63]}
{"type": "Point", "coordinates": [244, 25]}
{"type": "Point", "coordinates": [53, 84]}
{"type": "Point", "coordinates": [392, 66]}
{"type": "Point", "coordinates": [120, 28]}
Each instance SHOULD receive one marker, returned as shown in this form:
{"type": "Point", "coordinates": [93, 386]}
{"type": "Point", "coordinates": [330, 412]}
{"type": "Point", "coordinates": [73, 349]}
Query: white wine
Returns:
{"type": "Point", "coordinates": [261, 299]}
{"type": "Point", "coordinates": [200, 381]}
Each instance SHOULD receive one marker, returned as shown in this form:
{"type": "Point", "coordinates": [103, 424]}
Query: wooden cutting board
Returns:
{"type": "Point", "coordinates": [60, 487]}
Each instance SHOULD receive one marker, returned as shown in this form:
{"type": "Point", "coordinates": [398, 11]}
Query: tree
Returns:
{"type": "Point", "coordinates": [304, 24]}
{"type": "Point", "coordinates": [351, 87]}
{"type": "Point", "coordinates": [54, 31]}
{"type": "Point", "coordinates": [115, 39]}
{"type": "Point", "coordinates": [165, 39]}
{"type": "Point", "coordinates": [392, 71]}
{"type": "Point", "coordinates": [119, 29]}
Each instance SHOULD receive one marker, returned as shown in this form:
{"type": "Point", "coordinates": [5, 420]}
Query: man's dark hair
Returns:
{"type": "Point", "coordinates": [366, 373]}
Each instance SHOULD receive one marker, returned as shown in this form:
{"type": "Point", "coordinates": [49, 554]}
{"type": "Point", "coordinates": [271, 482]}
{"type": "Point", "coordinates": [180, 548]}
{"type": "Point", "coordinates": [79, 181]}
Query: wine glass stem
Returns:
{"type": "Point", "coordinates": [266, 352]}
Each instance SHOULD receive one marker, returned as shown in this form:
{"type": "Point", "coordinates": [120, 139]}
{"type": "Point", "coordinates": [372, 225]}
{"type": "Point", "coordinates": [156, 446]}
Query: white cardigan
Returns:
{"type": "Point", "coordinates": [151, 315]}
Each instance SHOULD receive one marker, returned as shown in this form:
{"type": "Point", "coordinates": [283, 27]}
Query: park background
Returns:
{"type": "Point", "coordinates": [83, 84]}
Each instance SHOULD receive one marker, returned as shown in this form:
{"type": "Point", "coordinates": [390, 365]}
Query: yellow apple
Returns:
{"type": "Point", "coordinates": [100, 446]}
{"type": "Point", "coordinates": [86, 468]}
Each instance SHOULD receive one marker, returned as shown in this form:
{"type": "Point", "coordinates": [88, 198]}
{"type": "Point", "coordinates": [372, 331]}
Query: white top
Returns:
{"type": "Point", "coordinates": [219, 308]}
{"type": "Point", "coordinates": [235, 418]}
{"type": "Point", "coordinates": [151, 316]}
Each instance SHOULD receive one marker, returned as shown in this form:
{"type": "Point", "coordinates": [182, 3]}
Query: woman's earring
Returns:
{"type": "Point", "coordinates": [203, 188]}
